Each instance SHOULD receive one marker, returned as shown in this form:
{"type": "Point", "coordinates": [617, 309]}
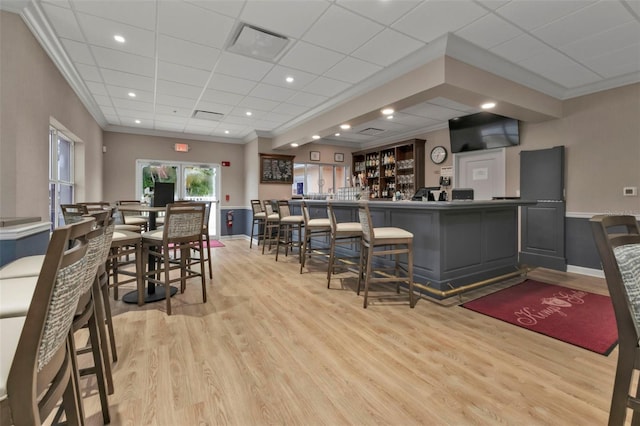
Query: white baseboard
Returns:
{"type": "Point", "coordinates": [585, 271]}
{"type": "Point", "coordinates": [234, 237]}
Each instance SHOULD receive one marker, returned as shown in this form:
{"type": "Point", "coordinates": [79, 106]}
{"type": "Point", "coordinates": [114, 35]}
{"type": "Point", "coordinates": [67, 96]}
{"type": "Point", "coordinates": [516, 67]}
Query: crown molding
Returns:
{"type": "Point", "coordinates": [610, 83]}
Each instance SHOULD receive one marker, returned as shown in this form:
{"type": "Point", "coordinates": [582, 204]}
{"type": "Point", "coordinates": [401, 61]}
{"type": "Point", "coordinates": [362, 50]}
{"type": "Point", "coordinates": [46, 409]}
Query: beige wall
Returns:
{"type": "Point", "coordinates": [123, 149]}
{"type": "Point", "coordinates": [32, 92]}
{"type": "Point", "coordinates": [601, 133]}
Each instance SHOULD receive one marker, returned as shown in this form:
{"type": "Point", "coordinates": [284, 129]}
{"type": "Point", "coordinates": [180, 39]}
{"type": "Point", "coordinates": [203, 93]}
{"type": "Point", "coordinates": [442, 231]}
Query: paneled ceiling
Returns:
{"type": "Point", "coordinates": [176, 59]}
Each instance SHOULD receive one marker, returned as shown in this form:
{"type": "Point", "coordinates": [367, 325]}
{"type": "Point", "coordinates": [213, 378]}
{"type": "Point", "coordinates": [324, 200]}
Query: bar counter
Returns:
{"type": "Point", "coordinates": [458, 245]}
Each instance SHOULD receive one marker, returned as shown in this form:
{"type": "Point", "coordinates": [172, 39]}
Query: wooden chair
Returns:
{"type": "Point", "coordinates": [96, 206]}
{"type": "Point", "coordinates": [382, 242]}
{"type": "Point", "coordinates": [271, 223]}
{"type": "Point", "coordinates": [183, 231]}
{"type": "Point", "coordinates": [618, 241]}
{"type": "Point", "coordinates": [342, 233]}
{"type": "Point", "coordinates": [132, 218]}
{"type": "Point", "coordinates": [258, 218]}
{"type": "Point", "coordinates": [313, 227]}
{"type": "Point", "coordinates": [36, 369]}
{"type": "Point", "coordinates": [287, 224]}
{"type": "Point", "coordinates": [73, 213]}
{"type": "Point", "coordinates": [123, 245]}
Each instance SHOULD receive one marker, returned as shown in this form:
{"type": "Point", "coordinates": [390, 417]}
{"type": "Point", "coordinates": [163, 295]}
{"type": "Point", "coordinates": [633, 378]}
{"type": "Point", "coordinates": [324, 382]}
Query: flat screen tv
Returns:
{"type": "Point", "coordinates": [482, 131]}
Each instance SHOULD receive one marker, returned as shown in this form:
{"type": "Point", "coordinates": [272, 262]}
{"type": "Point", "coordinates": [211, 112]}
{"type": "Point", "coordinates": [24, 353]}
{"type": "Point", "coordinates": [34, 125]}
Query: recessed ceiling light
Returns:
{"type": "Point", "coordinates": [337, 134]}
{"type": "Point", "coordinates": [315, 137]}
{"type": "Point", "coordinates": [249, 113]}
{"type": "Point", "coordinates": [226, 132]}
{"type": "Point", "coordinates": [289, 79]}
{"type": "Point", "coordinates": [137, 121]}
{"type": "Point", "coordinates": [488, 105]}
{"type": "Point", "coordinates": [389, 117]}
{"type": "Point", "coordinates": [345, 126]}
{"type": "Point", "coordinates": [295, 145]}
{"type": "Point", "coordinates": [132, 95]}
{"type": "Point", "coordinates": [119, 38]}
{"type": "Point", "coordinates": [388, 111]}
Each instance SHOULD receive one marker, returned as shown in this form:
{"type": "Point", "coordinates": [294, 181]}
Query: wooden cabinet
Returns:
{"type": "Point", "coordinates": [392, 168]}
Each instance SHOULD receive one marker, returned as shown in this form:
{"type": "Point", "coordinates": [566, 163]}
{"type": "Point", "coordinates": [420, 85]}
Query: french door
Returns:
{"type": "Point", "coordinates": [193, 181]}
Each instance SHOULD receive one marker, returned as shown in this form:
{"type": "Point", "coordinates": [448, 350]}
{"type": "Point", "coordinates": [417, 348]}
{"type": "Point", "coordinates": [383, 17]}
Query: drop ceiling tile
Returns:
{"type": "Point", "coordinates": [63, 21]}
{"type": "Point", "coordinates": [214, 107]}
{"type": "Point", "coordinates": [242, 66]}
{"type": "Point", "coordinates": [78, 52]}
{"type": "Point", "coordinates": [520, 48]}
{"type": "Point", "coordinates": [120, 61]}
{"type": "Point", "coordinates": [493, 4]}
{"type": "Point", "coordinates": [489, 31]}
{"type": "Point", "coordinates": [164, 99]}
{"type": "Point", "coordinates": [557, 67]}
{"type": "Point", "coordinates": [222, 97]}
{"type": "Point", "coordinates": [278, 118]}
{"type": "Point", "coordinates": [112, 119]}
{"type": "Point", "coordinates": [448, 103]}
{"type": "Point", "coordinates": [391, 125]}
{"type": "Point", "coordinates": [237, 120]}
{"type": "Point", "coordinates": [413, 120]}
{"type": "Point", "coordinates": [265, 125]}
{"type": "Point", "coordinates": [132, 115]}
{"type": "Point", "coordinates": [310, 58]}
{"type": "Point", "coordinates": [173, 111]}
{"type": "Point", "coordinates": [178, 89]}
{"type": "Point", "coordinates": [306, 99]}
{"type": "Point", "coordinates": [100, 32]}
{"type": "Point", "coordinates": [124, 79]}
{"type": "Point", "coordinates": [231, 84]}
{"type": "Point", "coordinates": [276, 16]}
{"type": "Point", "coordinates": [229, 8]}
{"type": "Point", "coordinates": [171, 118]}
{"type": "Point", "coordinates": [182, 74]}
{"type": "Point", "coordinates": [278, 74]}
{"type": "Point", "coordinates": [199, 127]}
{"type": "Point", "coordinates": [634, 5]}
{"type": "Point", "coordinates": [385, 12]}
{"type": "Point", "coordinates": [583, 23]}
{"type": "Point", "coordinates": [258, 103]}
{"type": "Point", "coordinates": [289, 109]}
{"type": "Point", "coordinates": [108, 110]}
{"type": "Point", "coordinates": [136, 13]}
{"type": "Point", "coordinates": [432, 111]}
{"type": "Point", "coordinates": [619, 37]}
{"type": "Point", "coordinates": [533, 14]}
{"type": "Point", "coordinates": [387, 47]}
{"type": "Point", "coordinates": [160, 124]}
{"type": "Point", "coordinates": [188, 22]}
{"type": "Point", "coordinates": [352, 70]}
{"type": "Point", "coordinates": [617, 62]}
{"type": "Point", "coordinates": [274, 93]}
{"type": "Point", "coordinates": [102, 101]}
{"type": "Point", "coordinates": [326, 86]}
{"type": "Point", "coordinates": [335, 30]}
{"type": "Point", "coordinates": [97, 88]}
{"type": "Point", "coordinates": [432, 19]}
{"type": "Point", "coordinates": [123, 93]}
{"type": "Point", "coordinates": [241, 112]}
{"type": "Point", "coordinates": [171, 49]}
{"type": "Point", "coordinates": [89, 72]}
{"type": "Point", "coordinates": [132, 105]}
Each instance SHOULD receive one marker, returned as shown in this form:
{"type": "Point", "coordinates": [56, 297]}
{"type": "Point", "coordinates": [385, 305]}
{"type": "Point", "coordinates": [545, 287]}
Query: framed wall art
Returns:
{"type": "Point", "coordinates": [276, 168]}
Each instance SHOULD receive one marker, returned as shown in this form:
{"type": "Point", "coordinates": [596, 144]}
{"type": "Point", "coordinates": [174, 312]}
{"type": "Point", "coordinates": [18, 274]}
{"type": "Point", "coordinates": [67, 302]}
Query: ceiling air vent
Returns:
{"type": "Point", "coordinates": [371, 131]}
{"type": "Point", "coordinates": [207, 115]}
{"type": "Point", "coordinates": [257, 43]}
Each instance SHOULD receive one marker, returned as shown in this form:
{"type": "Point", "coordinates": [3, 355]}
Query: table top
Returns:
{"type": "Point", "coordinates": [140, 208]}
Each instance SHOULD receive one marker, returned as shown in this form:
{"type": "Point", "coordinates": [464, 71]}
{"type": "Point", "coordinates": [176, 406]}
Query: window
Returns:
{"type": "Point", "coordinates": [61, 175]}
{"type": "Point", "coordinates": [319, 180]}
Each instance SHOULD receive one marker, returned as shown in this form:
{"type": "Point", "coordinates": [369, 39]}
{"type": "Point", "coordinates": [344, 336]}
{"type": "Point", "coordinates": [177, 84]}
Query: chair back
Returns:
{"type": "Point", "coordinates": [333, 223]}
{"type": "Point", "coordinates": [305, 212]}
{"type": "Point", "coordinates": [39, 372]}
{"type": "Point", "coordinates": [268, 207]}
{"type": "Point", "coordinates": [283, 208]}
{"type": "Point", "coordinates": [96, 206]}
{"type": "Point", "coordinates": [73, 213]}
{"type": "Point", "coordinates": [607, 233]}
{"type": "Point", "coordinates": [364, 214]}
{"type": "Point", "coordinates": [183, 222]}
{"type": "Point", "coordinates": [256, 206]}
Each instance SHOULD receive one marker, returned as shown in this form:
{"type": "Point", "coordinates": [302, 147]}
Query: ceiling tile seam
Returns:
{"type": "Point", "coordinates": [630, 10]}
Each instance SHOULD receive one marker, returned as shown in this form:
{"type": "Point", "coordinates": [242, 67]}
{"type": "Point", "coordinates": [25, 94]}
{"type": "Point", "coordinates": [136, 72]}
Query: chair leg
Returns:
{"type": "Point", "coordinates": [202, 279]}
{"type": "Point", "coordinates": [264, 236]}
{"type": "Point", "coordinates": [109, 318]}
{"type": "Point", "coordinates": [253, 226]}
{"type": "Point", "coordinates": [367, 278]}
{"type": "Point", "coordinates": [330, 269]}
{"type": "Point", "coordinates": [303, 253]}
{"type": "Point", "coordinates": [209, 256]}
{"type": "Point", "coordinates": [360, 266]}
{"type": "Point", "coordinates": [71, 399]}
{"type": "Point", "coordinates": [167, 285]}
{"type": "Point", "coordinates": [99, 314]}
{"type": "Point", "coordinates": [98, 368]}
{"type": "Point", "coordinates": [412, 301]}
{"type": "Point", "coordinates": [277, 241]}
{"type": "Point", "coordinates": [621, 386]}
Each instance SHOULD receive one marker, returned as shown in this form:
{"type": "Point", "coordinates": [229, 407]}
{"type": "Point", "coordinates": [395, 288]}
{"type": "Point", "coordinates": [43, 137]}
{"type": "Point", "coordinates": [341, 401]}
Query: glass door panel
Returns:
{"type": "Point", "coordinates": [152, 173]}
{"type": "Point", "coordinates": [200, 185]}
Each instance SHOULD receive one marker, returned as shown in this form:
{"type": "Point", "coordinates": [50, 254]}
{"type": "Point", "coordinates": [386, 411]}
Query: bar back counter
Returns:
{"type": "Point", "coordinates": [458, 245]}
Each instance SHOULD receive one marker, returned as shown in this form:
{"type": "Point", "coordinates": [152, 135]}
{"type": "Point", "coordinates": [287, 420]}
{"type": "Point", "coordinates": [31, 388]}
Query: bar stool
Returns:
{"type": "Point", "coordinates": [133, 218]}
{"type": "Point", "coordinates": [288, 223]}
{"type": "Point", "coordinates": [312, 227]}
{"type": "Point", "coordinates": [258, 218]}
{"type": "Point", "coordinates": [271, 224]}
{"type": "Point", "coordinates": [395, 241]}
{"type": "Point", "coordinates": [341, 234]}
{"type": "Point", "coordinates": [123, 244]}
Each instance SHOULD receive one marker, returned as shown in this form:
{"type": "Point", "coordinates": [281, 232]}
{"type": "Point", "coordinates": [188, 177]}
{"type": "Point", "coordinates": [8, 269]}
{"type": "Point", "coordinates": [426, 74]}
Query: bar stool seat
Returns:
{"type": "Point", "coordinates": [28, 266]}
{"type": "Point", "coordinates": [287, 224]}
{"type": "Point", "coordinates": [382, 242]}
{"type": "Point", "coordinates": [16, 295]}
{"type": "Point", "coordinates": [313, 227]}
{"type": "Point", "coordinates": [341, 234]}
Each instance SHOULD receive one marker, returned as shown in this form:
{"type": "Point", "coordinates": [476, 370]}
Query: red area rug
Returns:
{"type": "Point", "coordinates": [214, 244]}
{"type": "Point", "coordinates": [578, 317]}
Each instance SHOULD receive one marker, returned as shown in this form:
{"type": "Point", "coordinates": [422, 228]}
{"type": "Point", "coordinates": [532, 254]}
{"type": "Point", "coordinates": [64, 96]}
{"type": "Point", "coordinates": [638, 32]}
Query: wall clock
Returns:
{"type": "Point", "coordinates": [438, 154]}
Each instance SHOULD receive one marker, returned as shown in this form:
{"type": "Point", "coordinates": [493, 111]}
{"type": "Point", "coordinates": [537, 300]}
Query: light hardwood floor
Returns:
{"type": "Point", "coordinates": [272, 346]}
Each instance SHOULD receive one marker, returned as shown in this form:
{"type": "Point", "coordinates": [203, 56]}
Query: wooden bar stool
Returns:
{"type": "Point", "coordinates": [389, 240]}
{"type": "Point", "coordinates": [271, 224]}
{"type": "Point", "coordinates": [124, 244]}
{"type": "Point", "coordinates": [288, 223]}
{"type": "Point", "coordinates": [312, 227]}
{"type": "Point", "coordinates": [341, 234]}
{"type": "Point", "coordinates": [258, 218]}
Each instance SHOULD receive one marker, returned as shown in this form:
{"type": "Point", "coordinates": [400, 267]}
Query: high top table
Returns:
{"type": "Point", "coordinates": [154, 293]}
